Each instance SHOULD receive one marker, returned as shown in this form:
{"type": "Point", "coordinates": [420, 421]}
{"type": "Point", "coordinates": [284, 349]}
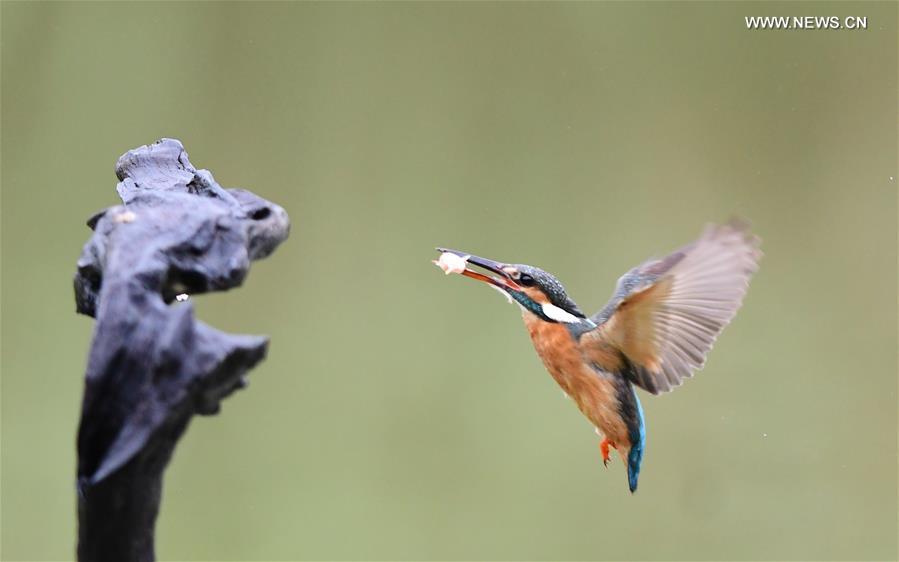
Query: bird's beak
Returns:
{"type": "Point", "coordinates": [501, 279]}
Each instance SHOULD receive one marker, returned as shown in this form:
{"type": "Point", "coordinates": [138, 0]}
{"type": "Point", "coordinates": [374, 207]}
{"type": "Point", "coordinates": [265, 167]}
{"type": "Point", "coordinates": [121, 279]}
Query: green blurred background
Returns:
{"type": "Point", "coordinates": [402, 414]}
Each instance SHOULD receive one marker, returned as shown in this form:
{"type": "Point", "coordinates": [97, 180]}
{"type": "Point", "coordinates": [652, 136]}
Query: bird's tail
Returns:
{"type": "Point", "coordinates": [638, 443]}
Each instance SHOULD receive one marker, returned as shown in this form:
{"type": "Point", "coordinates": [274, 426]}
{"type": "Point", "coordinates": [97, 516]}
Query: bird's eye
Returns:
{"type": "Point", "coordinates": [526, 280]}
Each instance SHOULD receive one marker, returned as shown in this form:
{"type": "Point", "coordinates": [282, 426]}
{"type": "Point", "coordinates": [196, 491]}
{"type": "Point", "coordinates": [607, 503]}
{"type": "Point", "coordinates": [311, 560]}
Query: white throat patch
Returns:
{"type": "Point", "coordinates": [559, 315]}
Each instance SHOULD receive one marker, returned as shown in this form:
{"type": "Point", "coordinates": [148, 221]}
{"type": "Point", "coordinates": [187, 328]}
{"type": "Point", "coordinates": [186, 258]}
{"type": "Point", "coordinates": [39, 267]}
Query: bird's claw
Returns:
{"type": "Point", "coordinates": [604, 449]}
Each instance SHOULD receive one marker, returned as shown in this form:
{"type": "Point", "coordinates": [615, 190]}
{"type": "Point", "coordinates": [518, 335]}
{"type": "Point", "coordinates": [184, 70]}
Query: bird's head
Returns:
{"type": "Point", "coordinates": [537, 291]}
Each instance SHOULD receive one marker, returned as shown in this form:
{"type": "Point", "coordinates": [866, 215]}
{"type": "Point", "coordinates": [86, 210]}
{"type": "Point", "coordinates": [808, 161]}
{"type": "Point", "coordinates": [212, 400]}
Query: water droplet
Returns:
{"type": "Point", "coordinates": [182, 297]}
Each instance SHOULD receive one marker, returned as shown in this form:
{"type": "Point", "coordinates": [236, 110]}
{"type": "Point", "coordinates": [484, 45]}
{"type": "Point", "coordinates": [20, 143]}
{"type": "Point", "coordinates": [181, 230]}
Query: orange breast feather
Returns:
{"type": "Point", "coordinates": [593, 394]}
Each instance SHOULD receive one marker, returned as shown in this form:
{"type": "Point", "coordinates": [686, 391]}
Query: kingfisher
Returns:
{"type": "Point", "coordinates": [655, 332]}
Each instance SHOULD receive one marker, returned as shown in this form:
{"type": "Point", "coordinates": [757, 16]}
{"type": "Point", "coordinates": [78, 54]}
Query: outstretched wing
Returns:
{"type": "Point", "coordinates": [666, 314]}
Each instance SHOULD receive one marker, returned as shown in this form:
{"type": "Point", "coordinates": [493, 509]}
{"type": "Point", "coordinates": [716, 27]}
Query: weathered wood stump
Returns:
{"type": "Point", "coordinates": [152, 365]}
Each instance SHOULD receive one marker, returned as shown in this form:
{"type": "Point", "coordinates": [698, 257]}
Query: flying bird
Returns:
{"type": "Point", "coordinates": [655, 332]}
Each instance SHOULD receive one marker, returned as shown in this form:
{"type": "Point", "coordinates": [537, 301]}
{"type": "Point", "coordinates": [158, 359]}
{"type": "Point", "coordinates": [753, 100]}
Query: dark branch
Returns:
{"type": "Point", "coordinates": [152, 365]}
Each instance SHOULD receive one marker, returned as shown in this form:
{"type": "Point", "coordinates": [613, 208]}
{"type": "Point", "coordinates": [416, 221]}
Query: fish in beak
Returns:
{"type": "Point", "coordinates": [454, 261]}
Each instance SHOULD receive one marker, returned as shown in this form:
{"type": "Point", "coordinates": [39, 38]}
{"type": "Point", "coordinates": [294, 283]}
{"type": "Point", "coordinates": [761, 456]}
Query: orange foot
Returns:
{"type": "Point", "coordinates": [604, 449]}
